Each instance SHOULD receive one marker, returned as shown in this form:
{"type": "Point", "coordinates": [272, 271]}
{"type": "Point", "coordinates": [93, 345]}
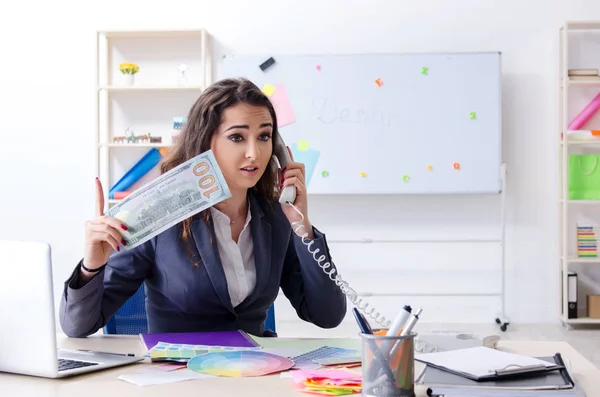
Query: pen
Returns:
{"type": "Point", "coordinates": [396, 328]}
{"type": "Point", "coordinates": [114, 354]}
{"type": "Point", "coordinates": [363, 324]}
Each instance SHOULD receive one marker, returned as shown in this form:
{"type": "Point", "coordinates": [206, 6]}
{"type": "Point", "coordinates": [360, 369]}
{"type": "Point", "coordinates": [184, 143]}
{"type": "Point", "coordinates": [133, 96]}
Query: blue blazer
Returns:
{"type": "Point", "coordinates": [182, 297]}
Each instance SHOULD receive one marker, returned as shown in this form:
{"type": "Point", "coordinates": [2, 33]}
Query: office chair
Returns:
{"type": "Point", "coordinates": [131, 318]}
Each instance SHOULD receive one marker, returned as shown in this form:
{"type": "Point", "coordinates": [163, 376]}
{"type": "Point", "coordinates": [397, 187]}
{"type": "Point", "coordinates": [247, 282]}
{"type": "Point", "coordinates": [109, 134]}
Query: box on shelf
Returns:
{"type": "Point", "coordinates": [593, 306]}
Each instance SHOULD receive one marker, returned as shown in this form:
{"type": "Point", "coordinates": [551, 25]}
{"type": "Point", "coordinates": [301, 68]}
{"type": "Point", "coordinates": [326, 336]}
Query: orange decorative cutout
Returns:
{"type": "Point", "coordinates": [379, 82]}
{"type": "Point", "coordinates": [456, 166]}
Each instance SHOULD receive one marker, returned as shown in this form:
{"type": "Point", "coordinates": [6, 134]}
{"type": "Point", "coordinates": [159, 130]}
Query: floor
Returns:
{"type": "Point", "coordinates": [585, 339]}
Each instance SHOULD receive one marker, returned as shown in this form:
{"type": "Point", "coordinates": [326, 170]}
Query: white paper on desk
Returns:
{"type": "Point", "coordinates": [478, 361]}
{"type": "Point", "coordinates": [151, 378]}
{"type": "Point", "coordinates": [282, 351]}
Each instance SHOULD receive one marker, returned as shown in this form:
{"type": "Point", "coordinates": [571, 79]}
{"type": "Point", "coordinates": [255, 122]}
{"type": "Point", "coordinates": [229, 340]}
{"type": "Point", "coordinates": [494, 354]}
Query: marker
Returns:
{"type": "Point", "coordinates": [411, 323]}
{"type": "Point", "coordinates": [395, 328]}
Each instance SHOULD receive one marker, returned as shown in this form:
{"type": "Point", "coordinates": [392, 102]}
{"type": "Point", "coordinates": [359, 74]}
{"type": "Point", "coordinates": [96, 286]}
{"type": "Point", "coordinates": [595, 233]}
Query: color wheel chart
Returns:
{"type": "Point", "coordinates": [239, 363]}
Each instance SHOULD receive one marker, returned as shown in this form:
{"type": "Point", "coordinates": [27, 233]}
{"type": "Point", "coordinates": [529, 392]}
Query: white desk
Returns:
{"type": "Point", "coordinates": [105, 383]}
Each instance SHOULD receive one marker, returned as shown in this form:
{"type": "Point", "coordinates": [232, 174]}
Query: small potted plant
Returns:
{"type": "Point", "coordinates": [129, 70]}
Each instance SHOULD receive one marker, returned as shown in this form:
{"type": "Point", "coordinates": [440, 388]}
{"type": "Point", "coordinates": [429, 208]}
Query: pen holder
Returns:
{"type": "Point", "coordinates": [388, 365]}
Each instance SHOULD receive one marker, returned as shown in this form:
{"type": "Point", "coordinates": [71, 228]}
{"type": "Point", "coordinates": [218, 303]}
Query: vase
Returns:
{"type": "Point", "coordinates": [128, 78]}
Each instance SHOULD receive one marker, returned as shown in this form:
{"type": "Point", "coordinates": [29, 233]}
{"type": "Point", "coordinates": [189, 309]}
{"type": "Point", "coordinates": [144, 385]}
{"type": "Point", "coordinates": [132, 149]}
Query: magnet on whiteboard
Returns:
{"type": "Point", "coordinates": [406, 178]}
{"type": "Point", "coordinates": [363, 174]}
{"type": "Point", "coordinates": [429, 168]}
{"type": "Point", "coordinates": [424, 70]}
{"type": "Point", "coordinates": [324, 174]}
{"type": "Point", "coordinates": [267, 64]}
{"type": "Point", "coordinates": [456, 166]}
{"type": "Point", "coordinates": [472, 115]}
{"type": "Point", "coordinates": [379, 82]}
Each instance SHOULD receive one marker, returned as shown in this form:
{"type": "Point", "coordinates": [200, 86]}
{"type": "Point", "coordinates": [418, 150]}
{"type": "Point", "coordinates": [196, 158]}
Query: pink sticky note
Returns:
{"type": "Point", "coordinates": [282, 105]}
{"type": "Point", "coordinates": [300, 375]}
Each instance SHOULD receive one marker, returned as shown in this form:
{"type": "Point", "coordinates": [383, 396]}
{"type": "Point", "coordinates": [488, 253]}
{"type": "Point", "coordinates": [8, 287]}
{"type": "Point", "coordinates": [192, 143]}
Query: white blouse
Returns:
{"type": "Point", "coordinates": [237, 259]}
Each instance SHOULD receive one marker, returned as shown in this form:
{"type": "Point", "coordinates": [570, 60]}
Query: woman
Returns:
{"type": "Point", "coordinates": [221, 269]}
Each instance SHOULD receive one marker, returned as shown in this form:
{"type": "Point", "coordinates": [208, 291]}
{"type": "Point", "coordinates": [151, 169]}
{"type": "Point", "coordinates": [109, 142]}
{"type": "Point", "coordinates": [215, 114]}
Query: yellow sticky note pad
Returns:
{"type": "Point", "coordinates": [303, 146]}
{"type": "Point", "coordinates": [268, 89]}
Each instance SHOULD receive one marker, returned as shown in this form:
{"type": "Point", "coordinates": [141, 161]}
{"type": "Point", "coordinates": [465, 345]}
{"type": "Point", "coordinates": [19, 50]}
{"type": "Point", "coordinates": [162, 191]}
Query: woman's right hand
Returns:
{"type": "Point", "coordinates": [102, 234]}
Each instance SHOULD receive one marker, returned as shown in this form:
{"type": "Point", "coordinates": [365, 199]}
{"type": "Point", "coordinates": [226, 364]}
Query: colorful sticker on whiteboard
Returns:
{"type": "Point", "coordinates": [282, 105]}
{"type": "Point", "coordinates": [309, 157]}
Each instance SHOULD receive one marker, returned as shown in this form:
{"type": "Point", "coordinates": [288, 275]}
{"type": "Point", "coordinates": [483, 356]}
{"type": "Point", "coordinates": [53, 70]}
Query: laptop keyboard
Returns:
{"type": "Point", "coordinates": [64, 364]}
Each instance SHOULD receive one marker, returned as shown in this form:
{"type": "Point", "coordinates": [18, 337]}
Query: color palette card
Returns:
{"type": "Point", "coordinates": [239, 363]}
{"type": "Point", "coordinates": [164, 350]}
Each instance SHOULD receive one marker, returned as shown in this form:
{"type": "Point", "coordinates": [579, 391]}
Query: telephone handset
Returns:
{"type": "Point", "coordinates": [287, 197]}
{"type": "Point", "coordinates": [288, 194]}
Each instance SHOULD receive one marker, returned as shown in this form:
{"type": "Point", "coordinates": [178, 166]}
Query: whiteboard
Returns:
{"type": "Point", "coordinates": [431, 124]}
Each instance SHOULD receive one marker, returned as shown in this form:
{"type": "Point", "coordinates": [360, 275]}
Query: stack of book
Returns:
{"type": "Point", "coordinates": [587, 241]}
{"type": "Point", "coordinates": [584, 74]}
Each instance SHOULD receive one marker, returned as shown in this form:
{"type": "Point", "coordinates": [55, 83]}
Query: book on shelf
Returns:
{"type": "Point", "coordinates": [583, 72]}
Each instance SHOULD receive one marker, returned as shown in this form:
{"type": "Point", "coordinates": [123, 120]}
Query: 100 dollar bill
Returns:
{"type": "Point", "coordinates": [180, 193]}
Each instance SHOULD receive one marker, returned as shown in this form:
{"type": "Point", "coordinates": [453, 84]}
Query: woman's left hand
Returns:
{"type": "Point", "coordinates": [293, 174]}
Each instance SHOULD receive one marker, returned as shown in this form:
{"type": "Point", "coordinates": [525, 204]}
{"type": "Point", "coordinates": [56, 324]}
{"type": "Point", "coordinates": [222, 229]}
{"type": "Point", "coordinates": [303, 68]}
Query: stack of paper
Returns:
{"type": "Point", "coordinates": [587, 241]}
{"type": "Point", "coordinates": [328, 382]}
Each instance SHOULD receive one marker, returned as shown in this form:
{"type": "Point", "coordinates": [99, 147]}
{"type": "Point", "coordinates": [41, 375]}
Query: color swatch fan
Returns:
{"type": "Point", "coordinates": [239, 363]}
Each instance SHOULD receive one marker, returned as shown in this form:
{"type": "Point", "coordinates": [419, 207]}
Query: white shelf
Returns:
{"type": "Point", "coordinates": [150, 88]}
{"type": "Point", "coordinates": [155, 98]}
{"type": "Point", "coordinates": [135, 145]}
{"type": "Point", "coordinates": [581, 320]}
{"type": "Point", "coordinates": [113, 34]}
{"type": "Point", "coordinates": [575, 259]}
{"type": "Point", "coordinates": [576, 51]}
{"type": "Point", "coordinates": [584, 143]}
{"type": "Point", "coordinates": [583, 202]}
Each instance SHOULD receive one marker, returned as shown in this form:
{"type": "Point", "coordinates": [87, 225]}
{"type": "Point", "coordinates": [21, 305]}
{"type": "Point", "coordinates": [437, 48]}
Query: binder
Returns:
{"type": "Point", "coordinates": [484, 364]}
{"type": "Point", "coordinates": [572, 294]}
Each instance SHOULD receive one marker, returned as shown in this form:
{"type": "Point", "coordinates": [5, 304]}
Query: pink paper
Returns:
{"type": "Point", "coordinates": [282, 105]}
{"type": "Point", "coordinates": [300, 375]}
{"type": "Point", "coordinates": [585, 114]}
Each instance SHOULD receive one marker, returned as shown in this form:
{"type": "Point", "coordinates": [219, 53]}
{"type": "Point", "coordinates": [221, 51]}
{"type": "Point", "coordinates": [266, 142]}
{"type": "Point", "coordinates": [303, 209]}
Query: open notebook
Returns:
{"type": "Point", "coordinates": [483, 364]}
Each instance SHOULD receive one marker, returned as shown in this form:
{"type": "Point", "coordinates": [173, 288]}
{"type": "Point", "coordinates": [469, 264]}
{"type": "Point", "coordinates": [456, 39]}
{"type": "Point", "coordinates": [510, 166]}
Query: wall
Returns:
{"type": "Point", "coordinates": [47, 129]}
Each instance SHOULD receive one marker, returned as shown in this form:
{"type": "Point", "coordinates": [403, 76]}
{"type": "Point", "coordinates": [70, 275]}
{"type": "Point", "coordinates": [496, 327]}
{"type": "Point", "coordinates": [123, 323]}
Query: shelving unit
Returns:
{"type": "Point", "coordinates": [579, 48]}
{"type": "Point", "coordinates": [148, 106]}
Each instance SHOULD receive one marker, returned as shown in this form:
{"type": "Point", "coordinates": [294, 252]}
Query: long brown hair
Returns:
{"type": "Point", "coordinates": [203, 120]}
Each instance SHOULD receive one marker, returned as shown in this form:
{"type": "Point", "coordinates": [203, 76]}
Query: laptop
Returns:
{"type": "Point", "coordinates": [27, 318]}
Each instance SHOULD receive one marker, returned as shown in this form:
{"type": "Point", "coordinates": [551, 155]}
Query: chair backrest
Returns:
{"type": "Point", "coordinates": [131, 318]}
{"type": "Point", "coordinates": [270, 321]}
